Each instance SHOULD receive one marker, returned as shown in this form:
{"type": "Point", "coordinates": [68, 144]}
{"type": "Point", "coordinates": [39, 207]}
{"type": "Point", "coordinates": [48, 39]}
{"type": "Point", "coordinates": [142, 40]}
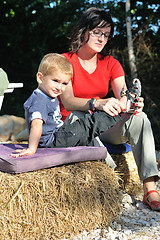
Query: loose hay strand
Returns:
{"type": "Point", "coordinates": [16, 193]}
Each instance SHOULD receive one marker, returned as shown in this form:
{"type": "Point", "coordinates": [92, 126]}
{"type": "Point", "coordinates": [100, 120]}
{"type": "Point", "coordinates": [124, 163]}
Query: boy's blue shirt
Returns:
{"type": "Point", "coordinates": [39, 105]}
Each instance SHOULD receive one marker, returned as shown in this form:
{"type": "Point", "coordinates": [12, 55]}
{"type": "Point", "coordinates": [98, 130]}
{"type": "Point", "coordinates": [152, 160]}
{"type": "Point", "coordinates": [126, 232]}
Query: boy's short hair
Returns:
{"type": "Point", "coordinates": [55, 62]}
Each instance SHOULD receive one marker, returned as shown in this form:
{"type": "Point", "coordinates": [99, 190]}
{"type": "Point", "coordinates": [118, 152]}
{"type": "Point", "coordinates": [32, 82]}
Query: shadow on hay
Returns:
{"type": "Point", "coordinates": [57, 202]}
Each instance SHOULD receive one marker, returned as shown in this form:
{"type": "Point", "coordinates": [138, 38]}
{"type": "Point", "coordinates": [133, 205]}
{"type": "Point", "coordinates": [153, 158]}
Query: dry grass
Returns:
{"type": "Point", "coordinates": [57, 202]}
{"type": "Point", "coordinates": [127, 169]}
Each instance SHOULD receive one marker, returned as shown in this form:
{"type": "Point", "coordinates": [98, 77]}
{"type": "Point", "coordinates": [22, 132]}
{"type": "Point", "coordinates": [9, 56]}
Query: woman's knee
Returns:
{"type": "Point", "coordinates": [141, 119]}
{"type": "Point", "coordinates": [137, 125]}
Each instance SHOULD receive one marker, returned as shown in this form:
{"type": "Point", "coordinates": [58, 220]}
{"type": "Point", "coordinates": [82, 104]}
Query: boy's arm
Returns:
{"type": "Point", "coordinates": [34, 137]}
{"type": "Point", "coordinates": [35, 134]}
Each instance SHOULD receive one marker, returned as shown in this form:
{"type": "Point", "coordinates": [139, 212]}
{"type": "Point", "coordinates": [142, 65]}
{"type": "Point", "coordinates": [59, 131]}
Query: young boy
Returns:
{"type": "Point", "coordinates": [42, 112]}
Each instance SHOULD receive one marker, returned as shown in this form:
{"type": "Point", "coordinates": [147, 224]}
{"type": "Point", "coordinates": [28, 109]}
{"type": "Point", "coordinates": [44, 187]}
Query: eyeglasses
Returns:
{"type": "Point", "coordinates": [98, 33]}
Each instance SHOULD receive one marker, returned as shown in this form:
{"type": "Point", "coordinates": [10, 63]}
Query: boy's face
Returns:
{"type": "Point", "coordinates": [54, 84]}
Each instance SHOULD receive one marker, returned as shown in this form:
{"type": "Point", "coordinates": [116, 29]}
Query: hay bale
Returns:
{"type": "Point", "coordinates": [57, 202]}
{"type": "Point", "coordinates": [127, 169]}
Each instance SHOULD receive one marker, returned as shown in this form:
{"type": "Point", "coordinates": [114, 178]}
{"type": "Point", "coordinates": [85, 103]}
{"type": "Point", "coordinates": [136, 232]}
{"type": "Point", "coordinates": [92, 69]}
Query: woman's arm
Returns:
{"type": "Point", "coordinates": [117, 85]}
{"type": "Point", "coordinates": [114, 105]}
{"type": "Point", "coordinates": [72, 103]}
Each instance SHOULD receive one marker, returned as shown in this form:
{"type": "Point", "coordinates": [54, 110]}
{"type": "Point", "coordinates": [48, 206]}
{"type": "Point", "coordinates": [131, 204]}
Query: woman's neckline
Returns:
{"type": "Point", "coordinates": [88, 64]}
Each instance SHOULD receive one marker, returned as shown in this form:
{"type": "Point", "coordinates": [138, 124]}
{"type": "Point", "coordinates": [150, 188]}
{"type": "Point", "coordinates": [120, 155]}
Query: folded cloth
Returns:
{"type": "Point", "coordinates": [3, 81]}
{"type": "Point", "coordinates": [46, 157]}
{"type": "Point", "coordinates": [118, 148]}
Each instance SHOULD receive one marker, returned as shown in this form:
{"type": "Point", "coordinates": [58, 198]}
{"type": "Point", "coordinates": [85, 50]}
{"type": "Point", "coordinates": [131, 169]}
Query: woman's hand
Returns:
{"type": "Point", "coordinates": [136, 108]}
{"type": "Point", "coordinates": [23, 152]}
{"type": "Point", "coordinates": [113, 106]}
{"type": "Point", "coordinates": [110, 105]}
{"type": "Point", "coordinates": [139, 105]}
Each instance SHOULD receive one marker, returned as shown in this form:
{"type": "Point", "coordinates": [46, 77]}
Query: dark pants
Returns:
{"type": "Point", "coordinates": [83, 131]}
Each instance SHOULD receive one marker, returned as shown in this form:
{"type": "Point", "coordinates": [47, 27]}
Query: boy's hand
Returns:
{"type": "Point", "coordinates": [34, 137]}
{"type": "Point", "coordinates": [23, 152]}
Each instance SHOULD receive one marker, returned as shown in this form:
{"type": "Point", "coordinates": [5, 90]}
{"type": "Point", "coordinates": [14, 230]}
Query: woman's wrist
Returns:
{"type": "Point", "coordinates": [92, 103]}
{"type": "Point", "coordinates": [123, 103]}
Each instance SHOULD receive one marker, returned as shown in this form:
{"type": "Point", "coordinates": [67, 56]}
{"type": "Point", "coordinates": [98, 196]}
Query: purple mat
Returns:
{"type": "Point", "coordinates": [46, 157]}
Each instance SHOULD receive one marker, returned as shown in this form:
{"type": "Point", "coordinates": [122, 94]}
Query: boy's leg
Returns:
{"type": "Point", "coordinates": [116, 135]}
{"type": "Point", "coordinates": [73, 116]}
{"type": "Point", "coordinates": [84, 130]}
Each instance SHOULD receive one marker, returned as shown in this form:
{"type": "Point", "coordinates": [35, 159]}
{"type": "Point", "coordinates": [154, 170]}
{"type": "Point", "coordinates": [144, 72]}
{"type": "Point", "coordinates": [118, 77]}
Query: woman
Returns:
{"type": "Point", "coordinates": [94, 68]}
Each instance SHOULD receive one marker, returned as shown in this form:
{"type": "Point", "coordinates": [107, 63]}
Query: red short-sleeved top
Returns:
{"type": "Point", "coordinates": [96, 84]}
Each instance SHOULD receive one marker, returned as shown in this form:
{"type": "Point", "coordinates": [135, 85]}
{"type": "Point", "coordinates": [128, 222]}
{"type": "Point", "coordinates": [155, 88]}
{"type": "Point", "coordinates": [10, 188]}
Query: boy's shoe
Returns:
{"type": "Point", "coordinates": [154, 205]}
{"type": "Point", "coordinates": [133, 92]}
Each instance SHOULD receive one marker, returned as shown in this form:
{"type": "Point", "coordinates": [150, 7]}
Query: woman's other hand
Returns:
{"type": "Point", "coordinates": [135, 108]}
{"type": "Point", "coordinates": [109, 105]}
{"type": "Point", "coordinates": [139, 105]}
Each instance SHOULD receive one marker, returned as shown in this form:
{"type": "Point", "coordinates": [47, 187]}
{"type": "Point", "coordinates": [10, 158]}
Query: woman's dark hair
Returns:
{"type": "Point", "coordinates": [90, 19]}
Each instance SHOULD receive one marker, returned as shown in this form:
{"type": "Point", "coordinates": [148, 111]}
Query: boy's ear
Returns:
{"type": "Point", "coordinates": [39, 77]}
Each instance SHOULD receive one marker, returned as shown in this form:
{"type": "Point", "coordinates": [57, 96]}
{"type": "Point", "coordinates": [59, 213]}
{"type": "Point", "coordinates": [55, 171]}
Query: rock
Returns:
{"type": "Point", "coordinates": [127, 199]}
{"type": "Point", "coordinates": [10, 126]}
{"type": "Point", "coordinates": [22, 136]}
